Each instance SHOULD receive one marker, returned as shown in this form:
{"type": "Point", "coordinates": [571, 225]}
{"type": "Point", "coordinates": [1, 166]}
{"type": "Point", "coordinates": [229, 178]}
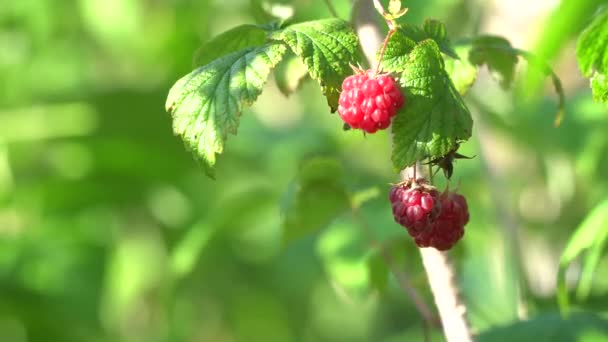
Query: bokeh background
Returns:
{"type": "Point", "coordinates": [109, 231]}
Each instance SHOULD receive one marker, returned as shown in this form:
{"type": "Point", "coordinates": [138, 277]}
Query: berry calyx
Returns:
{"type": "Point", "coordinates": [369, 101]}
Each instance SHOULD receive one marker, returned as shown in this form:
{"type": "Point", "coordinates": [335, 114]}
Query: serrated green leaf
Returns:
{"type": "Point", "coordinates": [206, 104]}
{"type": "Point", "coordinates": [403, 41]}
{"type": "Point", "coordinates": [289, 74]}
{"type": "Point", "coordinates": [591, 234]}
{"type": "Point", "coordinates": [396, 53]}
{"type": "Point", "coordinates": [461, 71]}
{"type": "Point", "coordinates": [327, 48]}
{"type": "Point", "coordinates": [435, 117]}
{"type": "Point", "coordinates": [238, 38]}
{"type": "Point", "coordinates": [498, 54]}
{"type": "Point", "coordinates": [592, 55]}
{"type": "Point", "coordinates": [319, 197]}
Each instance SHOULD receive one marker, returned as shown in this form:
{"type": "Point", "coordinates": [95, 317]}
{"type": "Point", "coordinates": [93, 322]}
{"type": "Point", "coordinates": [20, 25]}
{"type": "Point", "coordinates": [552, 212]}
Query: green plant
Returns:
{"type": "Point", "coordinates": [432, 71]}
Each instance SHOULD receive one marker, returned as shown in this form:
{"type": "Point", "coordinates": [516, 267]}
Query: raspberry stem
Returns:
{"type": "Point", "coordinates": [384, 45]}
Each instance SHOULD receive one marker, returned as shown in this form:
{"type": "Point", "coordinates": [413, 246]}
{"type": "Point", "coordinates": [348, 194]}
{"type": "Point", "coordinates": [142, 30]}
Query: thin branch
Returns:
{"type": "Point", "coordinates": [331, 8]}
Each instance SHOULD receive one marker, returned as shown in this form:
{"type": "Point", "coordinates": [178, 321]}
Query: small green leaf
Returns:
{"type": "Point", "coordinates": [590, 235]}
{"type": "Point", "coordinates": [592, 55]}
{"type": "Point", "coordinates": [289, 74]}
{"type": "Point", "coordinates": [206, 104]}
{"type": "Point", "coordinates": [498, 54]}
{"type": "Point", "coordinates": [319, 197]}
{"type": "Point", "coordinates": [327, 48]}
{"type": "Point", "coordinates": [435, 117]}
{"type": "Point", "coordinates": [394, 6]}
{"type": "Point", "coordinates": [238, 38]}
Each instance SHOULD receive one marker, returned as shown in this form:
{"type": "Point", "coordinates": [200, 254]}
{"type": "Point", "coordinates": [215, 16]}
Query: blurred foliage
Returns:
{"type": "Point", "coordinates": [109, 231]}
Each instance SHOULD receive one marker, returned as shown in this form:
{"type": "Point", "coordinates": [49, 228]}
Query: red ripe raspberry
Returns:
{"type": "Point", "coordinates": [369, 102]}
{"type": "Point", "coordinates": [448, 227]}
{"type": "Point", "coordinates": [415, 206]}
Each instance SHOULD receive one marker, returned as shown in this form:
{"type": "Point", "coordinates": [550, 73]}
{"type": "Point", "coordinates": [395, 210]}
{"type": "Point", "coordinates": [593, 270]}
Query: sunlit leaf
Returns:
{"type": "Point", "coordinates": [327, 48]}
{"type": "Point", "coordinates": [434, 118]}
{"type": "Point", "coordinates": [592, 54]}
{"type": "Point", "coordinates": [207, 103]}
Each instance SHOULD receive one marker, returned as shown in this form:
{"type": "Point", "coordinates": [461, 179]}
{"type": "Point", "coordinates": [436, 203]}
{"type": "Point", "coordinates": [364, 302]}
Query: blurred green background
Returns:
{"type": "Point", "coordinates": [110, 232]}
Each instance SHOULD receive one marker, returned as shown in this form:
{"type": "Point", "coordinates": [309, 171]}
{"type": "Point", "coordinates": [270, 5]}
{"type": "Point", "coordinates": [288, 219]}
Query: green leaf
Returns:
{"type": "Point", "coordinates": [238, 38]}
{"type": "Point", "coordinates": [403, 41]}
{"type": "Point", "coordinates": [461, 71]}
{"type": "Point", "coordinates": [498, 54]}
{"type": "Point", "coordinates": [327, 48]}
{"type": "Point", "coordinates": [397, 51]}
{"type": "Point", "coordinates": [501, 59]}
{"type": "Point", "coordinates": [319, 197]}
{"type": "Point", "coordinates": [599, 87]}
{"type": "Point", "coordinates": [289, 74]}
{"type": "Point", "coordinates": [592, 55]}
{"type": "Point", "coordinates": [591, 235]}
{"type": "Point", "coordinates": [435, 117]}
{"type": "Point", "coordinates": [206, 104]}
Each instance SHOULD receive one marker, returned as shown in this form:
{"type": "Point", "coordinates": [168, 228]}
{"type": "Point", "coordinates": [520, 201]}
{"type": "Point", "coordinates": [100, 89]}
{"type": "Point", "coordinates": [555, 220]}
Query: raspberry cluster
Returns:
{"type": "Point", "coordinates": [369, 102]}
{"type": "Point", "coordinates": [433, 219]}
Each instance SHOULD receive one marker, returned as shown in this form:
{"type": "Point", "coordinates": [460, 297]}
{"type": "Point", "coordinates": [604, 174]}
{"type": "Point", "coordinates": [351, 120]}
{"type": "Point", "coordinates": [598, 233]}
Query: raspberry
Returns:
{"type": "Point", "coordinates": [432, 219]}
{"type": "Point", "coordinates": [368, 102]}
{"type": "Point", "coordinates": [415, 205]}
{"type": "Point", "coordinates": [448, 227]}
